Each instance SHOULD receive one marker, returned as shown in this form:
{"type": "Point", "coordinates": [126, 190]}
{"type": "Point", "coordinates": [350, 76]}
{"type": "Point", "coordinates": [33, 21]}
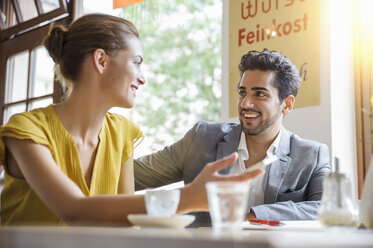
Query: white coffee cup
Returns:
{"type": "Point", "coordinates": [162, 203]}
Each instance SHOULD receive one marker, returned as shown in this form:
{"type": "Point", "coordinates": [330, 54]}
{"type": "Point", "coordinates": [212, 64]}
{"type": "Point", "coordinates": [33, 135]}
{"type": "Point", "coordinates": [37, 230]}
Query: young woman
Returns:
{"type": "Point", "coordinates": [71, 163]}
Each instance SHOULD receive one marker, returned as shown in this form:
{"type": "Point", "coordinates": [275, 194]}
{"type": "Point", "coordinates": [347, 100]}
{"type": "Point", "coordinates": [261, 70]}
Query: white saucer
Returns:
{"type": "Point", "coordinates": [177, 221]}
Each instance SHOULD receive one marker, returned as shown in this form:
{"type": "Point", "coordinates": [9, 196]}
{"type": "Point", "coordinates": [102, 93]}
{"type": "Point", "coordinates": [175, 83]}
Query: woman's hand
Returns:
{"type": "Point", "coordinates": [193, 195]}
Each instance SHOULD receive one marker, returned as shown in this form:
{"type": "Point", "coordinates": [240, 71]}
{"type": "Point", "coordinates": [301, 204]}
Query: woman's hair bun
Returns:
{"type": "Point", "coordinates": [54, 42]}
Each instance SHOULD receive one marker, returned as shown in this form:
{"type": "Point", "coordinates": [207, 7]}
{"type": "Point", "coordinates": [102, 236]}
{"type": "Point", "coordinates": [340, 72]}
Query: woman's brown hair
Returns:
{"type": "Point", "coordinates": [70, 47]}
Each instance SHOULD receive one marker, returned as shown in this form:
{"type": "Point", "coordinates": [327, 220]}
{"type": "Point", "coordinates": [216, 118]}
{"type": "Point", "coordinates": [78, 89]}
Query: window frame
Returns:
{"type": "Point", "coordinates": [17, 45]}
{"type": "Point", "coordinates": [26, 36]}
{"type": "Point", "coordinates": [25, 25]}
{"type": "Point", "coordinates": [363, 84]}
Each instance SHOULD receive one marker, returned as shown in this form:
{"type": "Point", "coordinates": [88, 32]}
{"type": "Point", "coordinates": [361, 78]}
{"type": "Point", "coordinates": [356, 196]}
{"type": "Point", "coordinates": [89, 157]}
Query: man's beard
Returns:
{"type": "Point", "coordinates": [263, 125]}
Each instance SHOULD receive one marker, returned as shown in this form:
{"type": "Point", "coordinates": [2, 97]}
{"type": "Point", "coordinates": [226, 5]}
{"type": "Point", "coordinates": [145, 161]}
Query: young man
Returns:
{"type": "Point", "coordinates": [291, 187]}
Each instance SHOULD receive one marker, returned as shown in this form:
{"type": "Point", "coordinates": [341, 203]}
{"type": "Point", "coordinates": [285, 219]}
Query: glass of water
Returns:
{"type": "Point", "coordinates": [227, 204]}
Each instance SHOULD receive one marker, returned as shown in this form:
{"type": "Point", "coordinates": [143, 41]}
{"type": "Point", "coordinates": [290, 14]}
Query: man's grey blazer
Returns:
{"type": "Point", "coordinates": [294, 183]}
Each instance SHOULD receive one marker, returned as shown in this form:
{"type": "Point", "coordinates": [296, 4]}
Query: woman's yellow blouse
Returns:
{"type": "Point", "coordinates": [19, 203]}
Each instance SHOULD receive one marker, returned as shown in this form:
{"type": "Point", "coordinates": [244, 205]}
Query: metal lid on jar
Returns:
{"type": "Point", "coordinates": [336, 173]}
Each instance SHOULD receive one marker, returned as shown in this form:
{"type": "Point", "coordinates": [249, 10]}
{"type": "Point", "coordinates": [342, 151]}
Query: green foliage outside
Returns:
{"type": "Point", "coordinates": [182, 64]}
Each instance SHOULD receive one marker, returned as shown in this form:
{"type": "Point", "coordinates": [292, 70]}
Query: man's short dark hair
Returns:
{"type": "Point", "coordinates": [287, 79]}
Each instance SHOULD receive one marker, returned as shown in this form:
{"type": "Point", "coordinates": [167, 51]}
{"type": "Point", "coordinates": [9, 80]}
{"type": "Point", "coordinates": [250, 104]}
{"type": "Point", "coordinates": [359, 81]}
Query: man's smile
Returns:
{"type": "Point", "coordinates": [250, 113]}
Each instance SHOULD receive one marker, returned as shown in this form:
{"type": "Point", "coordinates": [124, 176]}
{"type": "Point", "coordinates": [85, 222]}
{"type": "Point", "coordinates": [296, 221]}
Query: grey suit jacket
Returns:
{"type": "Point", "coordinates": [294, 185]}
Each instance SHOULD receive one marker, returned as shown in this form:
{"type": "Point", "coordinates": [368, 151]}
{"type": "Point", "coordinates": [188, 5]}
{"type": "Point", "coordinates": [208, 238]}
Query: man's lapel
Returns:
{"type": "Point", "coordinates": [228, 145]}
{"type": "Point", "coordinates": [278, 169]}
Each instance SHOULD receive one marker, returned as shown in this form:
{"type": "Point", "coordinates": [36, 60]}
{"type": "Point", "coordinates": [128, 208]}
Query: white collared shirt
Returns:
{"type": "Point", "coordinates": [258, 184]}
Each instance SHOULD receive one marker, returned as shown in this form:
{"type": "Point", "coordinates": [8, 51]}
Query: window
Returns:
{"type": "Point", "coordinates": [182, 64]}
{"type": "Point", "coordinates": [29, 81]}
{"type": "Point", "coordinates": [17, 18]}
{"type": "Point", "coordinates": [26, 70]}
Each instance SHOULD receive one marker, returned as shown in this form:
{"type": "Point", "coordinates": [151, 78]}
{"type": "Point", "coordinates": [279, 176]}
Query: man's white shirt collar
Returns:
{"type": "Point", "coordinates": [258, 184]}
{"type": "Point", "coordinates": [244, 154]}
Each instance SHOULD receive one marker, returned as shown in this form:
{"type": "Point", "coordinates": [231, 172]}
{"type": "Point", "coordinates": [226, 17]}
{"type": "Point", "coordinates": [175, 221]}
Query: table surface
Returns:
{"type": "Point", "coordinates": [298, 234]}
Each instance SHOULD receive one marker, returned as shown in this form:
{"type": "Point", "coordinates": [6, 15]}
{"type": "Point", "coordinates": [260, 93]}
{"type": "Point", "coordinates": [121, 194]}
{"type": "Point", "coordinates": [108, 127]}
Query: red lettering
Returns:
{"type": "Point", "coordinates": [246, 10]}
{"type": "Point", "coordinates": [289, 4]}
{"type": "Point", "coordinates": [297, 26]}
{"type": "Point", "coordinates": [257, 32]}
{"type": "Point", "coordinates": [240, 36]}
{"type": "Point", "coordinates": [250, 8]}
{"type": "Point", "coordinates": [286, 29]}
{"type": "Point", "coordinates": [256, 8]}
{"type": "Point", "coordinates": [249, 37]}
{"type": "Point", "coordinates": [269, 6]}
{"type": "Point", "coordinates": [242, 14]}
{"type": "Point", "coordinates": [276, 28]}
{"type": "Point", "coordinates": [305, 19]}
{"type": "Point", "coordinates": [266, 31]}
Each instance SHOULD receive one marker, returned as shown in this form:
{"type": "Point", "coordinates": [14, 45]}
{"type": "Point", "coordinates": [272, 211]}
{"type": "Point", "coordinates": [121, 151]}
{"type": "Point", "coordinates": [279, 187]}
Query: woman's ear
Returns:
{"type": "Point", "coordinates": [289, 104]}
{"type": "Point", "coordinates": [100, 60]}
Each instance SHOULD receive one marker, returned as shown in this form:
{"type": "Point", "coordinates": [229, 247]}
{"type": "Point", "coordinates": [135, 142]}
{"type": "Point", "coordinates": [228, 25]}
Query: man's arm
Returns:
{"type": "Point", "coordinates": [303, 210]}
{"type": "Point", "coordinates": [282, 211]}
{"type": "Point", "coordinates": [165, 166]}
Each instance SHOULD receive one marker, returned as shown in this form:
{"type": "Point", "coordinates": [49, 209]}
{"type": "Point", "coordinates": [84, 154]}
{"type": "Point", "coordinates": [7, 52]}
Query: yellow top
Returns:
{"type": "Point", "coordinates": [19, 203]}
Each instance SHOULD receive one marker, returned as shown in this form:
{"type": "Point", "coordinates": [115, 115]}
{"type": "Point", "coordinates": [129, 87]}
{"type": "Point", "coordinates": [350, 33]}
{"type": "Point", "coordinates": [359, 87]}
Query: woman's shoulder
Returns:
{"type": "Point", "coordinates": [31, 125]}
{"type": "Point", "coordinates": [119, 121]}
{"type": "Point", "coordinates": [122, 129]}
{"type": "Point", "coordinates": [38, 116]}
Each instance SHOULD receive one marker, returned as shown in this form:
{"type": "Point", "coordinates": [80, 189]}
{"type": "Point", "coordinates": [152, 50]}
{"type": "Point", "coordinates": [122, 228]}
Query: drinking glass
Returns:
{"type": "Point", "coordinates": [227, 204]}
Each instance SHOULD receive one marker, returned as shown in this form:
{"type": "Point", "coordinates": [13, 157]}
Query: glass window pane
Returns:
{"type": "Point", "coordinates": [13, 109]}
{"type": "Point", "coordinates": [49, 5]}
{"type": "Point", "coordinates": [40, 103]}
{"type": "Point", "coordinates": [193, 92]}
{"type": "Point", "coordinates": [16, 78]}
{"type": "Point", "coordinates": [28, 9]}
{"type": "Point", "coordinates": [41, 78]}
{"type": "Point", "coordinates": [7, 14]}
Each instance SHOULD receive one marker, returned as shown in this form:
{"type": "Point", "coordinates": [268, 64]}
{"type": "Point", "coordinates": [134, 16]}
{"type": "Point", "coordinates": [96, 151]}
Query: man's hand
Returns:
{"type": "Point", "coordinates": [194, 196]}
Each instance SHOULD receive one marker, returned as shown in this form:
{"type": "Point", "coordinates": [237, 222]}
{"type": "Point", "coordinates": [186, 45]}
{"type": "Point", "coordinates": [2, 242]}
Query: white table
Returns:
{"type": "Point", "coordinates": [102, 237]}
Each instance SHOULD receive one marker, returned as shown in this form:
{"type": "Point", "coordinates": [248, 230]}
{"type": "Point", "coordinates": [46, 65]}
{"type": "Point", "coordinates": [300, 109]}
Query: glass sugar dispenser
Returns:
{"type": "Point", "coordinates": [338, 207]}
